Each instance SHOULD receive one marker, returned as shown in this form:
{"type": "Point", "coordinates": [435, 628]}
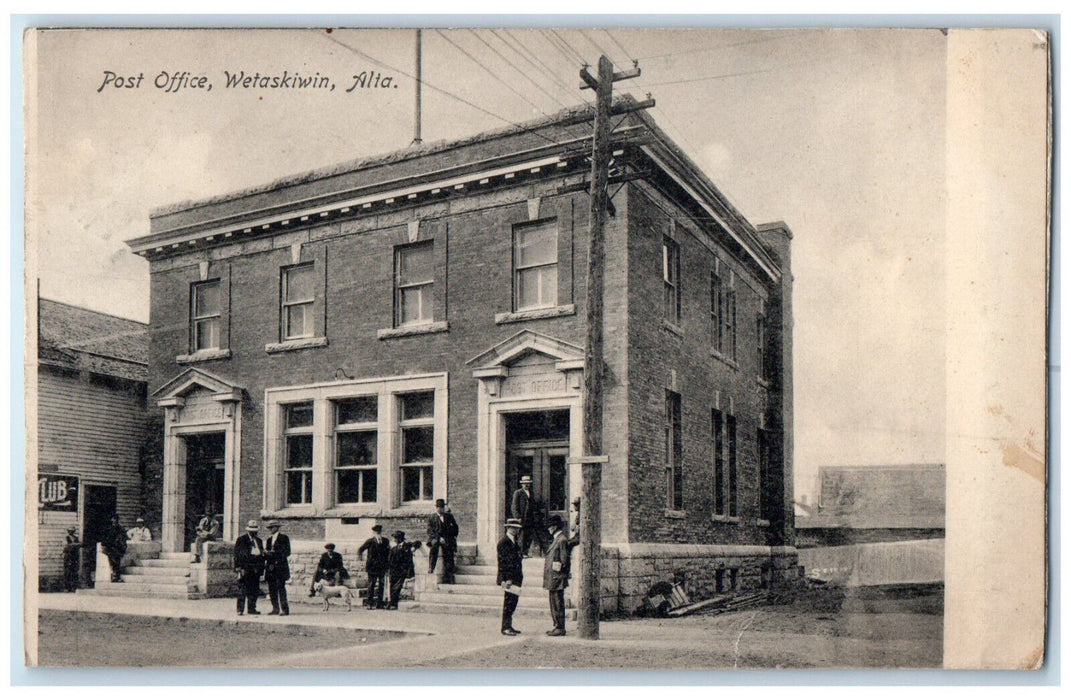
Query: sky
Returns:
{"type": "Point", "coordinates": [838, 133]}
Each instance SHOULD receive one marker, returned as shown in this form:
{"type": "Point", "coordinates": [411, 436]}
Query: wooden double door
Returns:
{"type": "Point", "coordinates": [547, 463]}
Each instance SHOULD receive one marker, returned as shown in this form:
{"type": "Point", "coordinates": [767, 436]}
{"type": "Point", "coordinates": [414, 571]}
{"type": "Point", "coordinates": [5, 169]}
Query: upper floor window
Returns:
{"type": "Point", "coordinates": [205, 315]}
{"type": "Point", "coordinates": [723, 310]}
{"type": "Point", "coordinates": [297, 464]}
{"type": "Point", "coordinates": [414, 280]}
{"type": "Point", "coordinates": [671, 280]}
{"type": "Point", "coordinates": [723, 429]}
{"type": "Point", "coordinates": [761, 341]}
{"type": "Point", "coordinates": [674, 452]}
{"type": "Point", "coordinates": [298, 295]}
{"type": "Point", "coordinates": [535, 266]}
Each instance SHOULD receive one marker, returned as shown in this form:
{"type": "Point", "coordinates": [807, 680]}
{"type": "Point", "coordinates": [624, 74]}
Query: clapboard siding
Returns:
{"type": "Point", "coordinates": [94, 430]}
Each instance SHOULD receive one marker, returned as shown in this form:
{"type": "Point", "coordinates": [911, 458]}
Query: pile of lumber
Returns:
{"type": "Point", "coordinates": [721, 604]}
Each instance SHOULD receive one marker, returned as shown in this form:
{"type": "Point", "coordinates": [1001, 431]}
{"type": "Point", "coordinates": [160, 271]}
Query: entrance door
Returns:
{"type": "Point", "coordinates": [204, 479]}
{"type": "Point", "coordinates": [98, 508]}
{"type": "Point", "coordinates": [546, 464]}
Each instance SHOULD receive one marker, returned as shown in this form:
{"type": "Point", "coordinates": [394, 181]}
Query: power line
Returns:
{"type": "Point", "coordinates": [436, 88]}
{"type": "Point", "coordinates": [489, 71]}
{"type": "Point", "coordinates": [514, 66]}
{"type": "Point", "coordinates": [618, 44]}
{"type": "Point", "coordinates": [599, 49]}
{"type": "Point", "coordinates": [533, 60]}
{"type": "Point", "coordinates": [569, 47]}
{"type": "Point", "coordinates": [731, 75]}
{"type": "Point", "coordinates": [777, 37]}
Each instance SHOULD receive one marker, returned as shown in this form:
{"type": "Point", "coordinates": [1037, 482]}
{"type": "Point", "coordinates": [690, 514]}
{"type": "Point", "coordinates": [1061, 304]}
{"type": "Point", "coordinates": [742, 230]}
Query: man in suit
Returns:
{"type": "Point", "coordinates": [400, 567]}
{"type": "Point", "coordinates": [521, 508]}
{"type": "Point", "coordinates": [510, 573]}
{"type": "Point", "coordinates": [277, 568]}
{"type": "Point", "coordinates": [330, 567]}
{"type": "Point", "coordinates": [114, 545]}
{"type": "Point", "coordinates": [556, 573]}
{"type": "Point", "coordinates": [249, 565]}
{"type": "Point", "coordinates": [375, 564]}
{"type": "Point", "coordinates": [72, 548]}
{"type": "Point", "coordinates": [442, 535]}
{"type": "Point", "coordinates": [207, 531]}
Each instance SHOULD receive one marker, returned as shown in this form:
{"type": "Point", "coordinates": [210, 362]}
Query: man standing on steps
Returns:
{"type": "Point", "coordinates": [277, 568]}
{"type": "Point", "coordinates": [521, 509]}
{"type": "Point", "coordinates": [442, 535]}
{"type": "Point", "coordinates": [375, 564]}
{"type": "Point", "coordinates": [114, 545]}
{"type": "Point", "coordinates": [207, 531]}
{"type": "Point", "coordinates": [249, 565]}
{"type": "Point", "coordinates": [556, 573]}
{"type": "Point", "coordinates": [510, 574]}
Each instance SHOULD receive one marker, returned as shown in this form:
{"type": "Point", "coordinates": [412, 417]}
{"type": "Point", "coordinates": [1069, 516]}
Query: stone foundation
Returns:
{"type": "Point", "coordinates": [629, 570]}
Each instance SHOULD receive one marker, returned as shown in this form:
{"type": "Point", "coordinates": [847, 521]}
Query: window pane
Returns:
{"type": "Point", "coordinates": [299, 487]}
{"type": "Point", "coordinates": [300, 283]}
{"type": "Point", "coordinates": [297, 318]}
{"type": "Point", "coordinates": [420, 405]}
{"type": "Point", "coordinates": [206, 334]}
{"type": "Point", "coordinates": [426, 483]}
{"type": "Point", "coordinates": [360, 409]}
{"type": "Point", "coordinates": [415, 264]}
{"type": "Point", "coordinates": [368, 485]}
{"type": "Point", "coordinates": [206, 300]}
{"type": "Point", "coordinates": [414, 307]}
{"type": "Point", "coordinates": [418, 445]}
{"type": "Point", "coordinates": [299, 451]}
{"type": "Point", "coordinates": [411, 484]}
{"type": "Point", "coordinates": [348, 485]}
{"type": "Point", "coordinates": [556, 497]}
{"type": "Point", "coordinates": [299, 415]}
{"type": "Point", "coordinates": [535, 246]}
{"type": "Point", "coordinates": [537, 287]}
{"type": "Point", "coordinates": [356, 448]}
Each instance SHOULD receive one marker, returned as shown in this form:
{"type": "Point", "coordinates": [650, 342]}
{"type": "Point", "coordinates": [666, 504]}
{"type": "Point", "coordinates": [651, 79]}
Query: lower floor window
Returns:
{"type": "Point", "coordinates": [299, 469]}
{"type": "Point", "coordinates": [356, 485]}
{"type": "Point", "coordinates": [416, 483]}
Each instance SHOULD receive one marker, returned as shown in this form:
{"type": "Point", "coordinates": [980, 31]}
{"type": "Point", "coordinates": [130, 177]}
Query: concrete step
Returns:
{"type": "Point", "coordinates": [529, 615]}
{"type": "Point", "coordinates": [475, 579]}
{"type": "Point", "coordinates": [142, 590]}
{"type": "Point", "coordinates": [156, 571]}
{"type": "Point", "coordinates": [154, 579]}
{"type": "Point", "coordinates": [476, 599]}
{"type": "Point", "coordinates": [165, 564]}
{"type": "Point", "coordinates": [183, 556]}
{"type": "Point", "coordinates": [490, 589]}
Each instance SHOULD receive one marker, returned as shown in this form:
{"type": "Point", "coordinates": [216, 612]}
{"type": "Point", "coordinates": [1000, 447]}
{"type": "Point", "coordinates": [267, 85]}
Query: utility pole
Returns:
{"type": "Point", "coordinates": [417, 140]}
{"type": "Point", "coordinates": [593, 459]}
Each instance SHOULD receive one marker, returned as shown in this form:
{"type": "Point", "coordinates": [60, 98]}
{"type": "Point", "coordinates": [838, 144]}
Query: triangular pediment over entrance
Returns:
{"type": "Point", "coordinates": [528, 347]}
{"type": "Point", "coordinates": [199, 381]}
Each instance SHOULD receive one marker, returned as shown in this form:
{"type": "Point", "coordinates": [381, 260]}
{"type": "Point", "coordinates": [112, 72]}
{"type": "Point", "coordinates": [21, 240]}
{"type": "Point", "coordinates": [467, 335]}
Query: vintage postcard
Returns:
{"type": "Point", "coordinates": [590, 347]}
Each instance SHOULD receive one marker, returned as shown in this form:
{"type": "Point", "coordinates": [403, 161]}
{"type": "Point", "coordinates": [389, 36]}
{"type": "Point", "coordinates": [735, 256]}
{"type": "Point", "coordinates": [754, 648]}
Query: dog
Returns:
{"type": "Point", "coordinates": [327, 592]}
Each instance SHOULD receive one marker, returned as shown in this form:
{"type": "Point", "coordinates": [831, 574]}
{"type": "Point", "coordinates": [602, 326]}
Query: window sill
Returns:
{"type": "Point", "coordinates": [762, 523]}
{"type": "Point", "coordinates": [368, 510]}
{"type": "Point", "coordinates": [676, 514]}
{"type": "Point", "coordinates": [535, 314]}
{"type": "Point", "coordinates": [405, 331]}
{"type": "Point", "coordinates": [725, 518]}
{"type": "Point", "coordinates": [296, 344]}
{"type": "Point", "coordinates": [724, 359]}
{"type": "Point", "coordinates": [673, 328]}
{"type": "Point", "coordinates": [204, 356]}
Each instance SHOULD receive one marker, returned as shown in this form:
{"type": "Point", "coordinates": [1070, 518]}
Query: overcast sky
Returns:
{"type": "Point", "coordinates": [838, 133]}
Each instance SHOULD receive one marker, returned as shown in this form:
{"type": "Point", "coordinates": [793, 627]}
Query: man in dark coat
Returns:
{"type": "Point", "coordinates": [510, 573]}
{"type": "Point", "coordinates": [522, 509]}
{"type": "Point", "coordinates": [375, 564]}
{"type": "Point", "coordinates": [330, 567]}
{"type": "Point", "coordinates": [249, 565]}
{"type": "Point", "coordinates": [400, 567]}
{"type": "Point", "coordinates": [556, 573]}
{"type": "Point", "coordinates": [72, 548]}
{"type": "Point", "coordinates": [114, 545]}
{"type": "Point", "coordinates": [442, 535]}
{"type": "Point", "coordinates": [277, 568]}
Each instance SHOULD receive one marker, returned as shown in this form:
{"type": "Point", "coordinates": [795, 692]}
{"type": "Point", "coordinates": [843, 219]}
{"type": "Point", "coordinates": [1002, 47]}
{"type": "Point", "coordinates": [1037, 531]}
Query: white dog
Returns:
{"type": "Point", "coordinates": [327, 592]}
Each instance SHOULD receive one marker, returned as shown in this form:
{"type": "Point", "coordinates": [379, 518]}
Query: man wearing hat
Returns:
{"type": "Point", "coordinates": [521, 509]}
{"type": "Point", "coordinates": [556, 573]}
{"type": "Point", "coordinates": [330, 567]}
{"type": "Point", "coordinates": [277, 568]}
{"type": "Point", "coordinates": [375, 564]}
{"type": "Point", "coordinates": [249, 565]}
{"type": "Point", "coordinates": [442, 535]}
{"type": "Point", "coordinates": [207, 531]}
{"type": "Point", "coordinates": [72, 548]}
{"type": "Point", "coordinates": [400, 567]}
{"type": "Point", "coordinates": [510, 573]}
{"type": "Point", "coordinates": [139, 533]}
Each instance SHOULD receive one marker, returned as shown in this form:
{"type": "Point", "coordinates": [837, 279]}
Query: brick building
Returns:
{"type": "Point", "coordinates": [91, 411]}
{"type": "Point", "coordinates": [342, 347]}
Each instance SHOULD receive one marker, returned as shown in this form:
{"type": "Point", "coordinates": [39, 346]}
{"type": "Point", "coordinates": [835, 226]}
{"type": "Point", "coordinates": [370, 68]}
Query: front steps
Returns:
{"type": "Point", "coordinates": [475, 592]}
{"type": "Point", "coordinates": [150, 575]}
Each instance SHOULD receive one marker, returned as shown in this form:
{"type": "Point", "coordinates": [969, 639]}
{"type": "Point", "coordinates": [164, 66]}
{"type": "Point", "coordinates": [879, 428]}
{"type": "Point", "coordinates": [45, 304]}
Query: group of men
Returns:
{"type": "Point", "coordinates": [556, 571]}
{"type": "Point", "coordinates": [382, 562]}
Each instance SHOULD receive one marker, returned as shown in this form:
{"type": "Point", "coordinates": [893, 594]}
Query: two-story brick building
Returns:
{"type": "Point", "coordinates": [344, 346]}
